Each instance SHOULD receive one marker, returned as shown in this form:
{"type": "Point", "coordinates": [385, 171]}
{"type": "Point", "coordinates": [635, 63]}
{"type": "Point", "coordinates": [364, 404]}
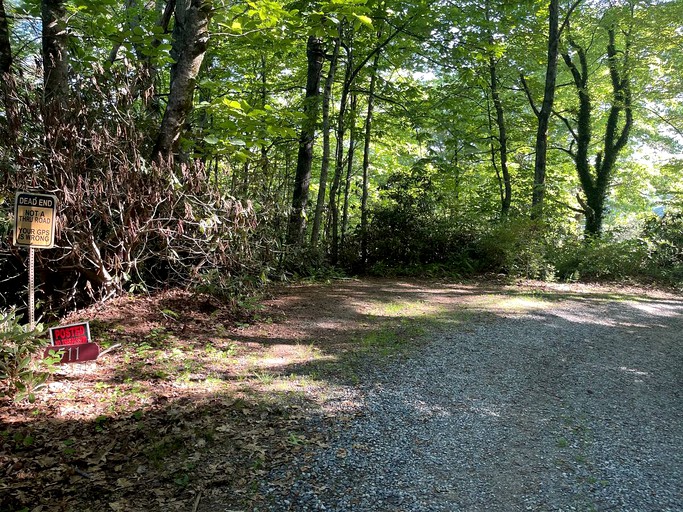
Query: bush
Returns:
{"type": "Point", "coordinates": [664, 237]}
{"type": "Point", "coordinates": [601, 259]}
{"type": "Point", "coordinates": [124, 223]}
{"type": "Point", "coordinates": [19, 347]}
{"type": "Point", "coordinates": [518, 248]}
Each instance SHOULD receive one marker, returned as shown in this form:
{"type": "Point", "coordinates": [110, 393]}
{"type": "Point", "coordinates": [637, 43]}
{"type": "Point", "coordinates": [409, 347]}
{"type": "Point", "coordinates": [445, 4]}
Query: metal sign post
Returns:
{"type": "Point", "coordinates": [34, 228]}
{"type": "Point", "coordinates": [31, 288]}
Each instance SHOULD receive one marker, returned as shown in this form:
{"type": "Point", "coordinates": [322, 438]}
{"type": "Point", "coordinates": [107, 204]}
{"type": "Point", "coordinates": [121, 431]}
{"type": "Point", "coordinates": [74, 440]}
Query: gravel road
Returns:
{"type": "Point", "coordinates": [573, 404]}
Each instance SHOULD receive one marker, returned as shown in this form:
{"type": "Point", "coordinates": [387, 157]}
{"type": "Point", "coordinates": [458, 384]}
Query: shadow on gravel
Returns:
{"type": "Point", "coordinates": [175, 448]}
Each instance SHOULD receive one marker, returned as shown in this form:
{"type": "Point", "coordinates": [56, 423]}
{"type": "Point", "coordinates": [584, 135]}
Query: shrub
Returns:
{"type": "Point", "coordinates": [664, 237]}
{"type": "Point", "coordinates": [19, 347]}
{"type": "Point", "coordinates": [516, 247]}
{"type": "Point", "coordinates": [601, 259]}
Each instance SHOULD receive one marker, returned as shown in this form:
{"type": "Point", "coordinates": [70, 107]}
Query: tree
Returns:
{"type": "Point", "coordinates": [315, 55]}
{"type": "Point", "coordinates": [596, 179]}
{"type": "Point", "coordinates": [55, 52]}
{"type": "Point", "coordinates": [366, 160]}
{"type": "Point", "coordinates": [501, 137]}
{"type": "Point", "coordinates": [325, 165]}
{"type": "Point", "coordinates": [543, 114]}
{"type": "Point", "coordinates": [7, 83]}
{"type": "Point", "coordinates": [190, 42]}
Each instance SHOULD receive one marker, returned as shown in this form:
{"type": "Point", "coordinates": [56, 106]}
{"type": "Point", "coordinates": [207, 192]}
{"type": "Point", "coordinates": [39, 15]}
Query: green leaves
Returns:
{"type": "Point", "coordinates": [20, 352]}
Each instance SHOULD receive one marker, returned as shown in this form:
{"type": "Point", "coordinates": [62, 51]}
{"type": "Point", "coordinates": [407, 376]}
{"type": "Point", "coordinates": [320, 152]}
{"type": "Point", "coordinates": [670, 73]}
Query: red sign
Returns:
{"type": "Point", "coordinates": [75, 353]}
{"type": "Point", "coordinates": [75, 334]}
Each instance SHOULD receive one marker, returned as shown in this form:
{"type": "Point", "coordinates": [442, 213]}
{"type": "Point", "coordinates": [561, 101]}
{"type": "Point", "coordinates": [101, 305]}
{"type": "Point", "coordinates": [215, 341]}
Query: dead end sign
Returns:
{"type": "Point", "coordinates": [34, 220]}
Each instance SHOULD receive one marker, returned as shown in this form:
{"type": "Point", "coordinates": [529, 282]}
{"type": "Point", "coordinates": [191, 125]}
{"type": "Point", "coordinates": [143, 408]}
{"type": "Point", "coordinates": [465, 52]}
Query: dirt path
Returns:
{"type": "Point", "coordinates": [199, 411]}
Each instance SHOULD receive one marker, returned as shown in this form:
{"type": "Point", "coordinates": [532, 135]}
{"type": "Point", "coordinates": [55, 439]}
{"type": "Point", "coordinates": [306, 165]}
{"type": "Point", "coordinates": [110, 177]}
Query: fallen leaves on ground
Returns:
{"type": "Point", "coordinates": [151, 425]}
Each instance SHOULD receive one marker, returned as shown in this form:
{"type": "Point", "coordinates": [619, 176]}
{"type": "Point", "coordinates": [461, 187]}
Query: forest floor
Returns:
{"type": "Point", "coordinates": [192, 408]}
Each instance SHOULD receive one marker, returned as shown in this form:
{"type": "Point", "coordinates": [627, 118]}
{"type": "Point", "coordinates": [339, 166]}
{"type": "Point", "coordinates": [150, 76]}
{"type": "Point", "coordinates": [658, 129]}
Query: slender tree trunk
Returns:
{"type": "Point", "coordinates": [8, 88]}
{"type": "Point", "coordinates": [325, 166]}
{"type": "Point", "coordinates": [339, 158]}
{"type": "Point", "coordinates": [506, 186]}
{"type": "Point", "coordinates": [55, 83]}
{"type": "Point", "coordinates": [55, 55]}
{"type": "Point", "coordinates": [5, 47]}
{"type": "Point", "coordinates": [264, 160]}
{"type": "Point", "coordinates": [297, 222]}
{"type": "Point", "coordinates": [543, 115]}
{"type": "Point", "coordinates": [190, 41]}
{"type": "Point", "coordinates": [546, 110]}
{"type": "Point", "coordinates": [366, 162]}
{"type": "Point", "coordinates": [349, 169]}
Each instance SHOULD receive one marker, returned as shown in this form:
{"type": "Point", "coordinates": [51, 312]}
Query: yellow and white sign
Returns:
{"type": "Point", "coordinates": [34, 220]}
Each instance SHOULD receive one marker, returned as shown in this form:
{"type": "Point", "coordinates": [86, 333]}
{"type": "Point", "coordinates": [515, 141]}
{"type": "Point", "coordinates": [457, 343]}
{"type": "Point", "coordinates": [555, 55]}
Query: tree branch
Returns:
{"type": "Point", "coordinates": [527, 91]}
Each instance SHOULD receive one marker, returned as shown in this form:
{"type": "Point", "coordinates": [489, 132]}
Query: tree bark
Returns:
{"type": "Point", "coordinates": [8, 88]}
{"type": "Point", "coordinates": [339, 157]}
{"type": "Point", "coordinates": [546, 110]}
{"type": "Point", "coordinates": [366, 163]}
{"type": "Point", "coordinates": [349, 169]}
{"type": "Point", "coordinates": [506, 185]}
{"type": "Point", "coordinates": [543, 115]}
{"type": "Point", "coordinates": [325, 166]}
{"type": "Point", "coordinates": [55, 55]}
{"type": "Point", "coordinates": [190, 42]}
{"type": "Point", "coordinates": [297, 222]}
{"type": "Point", "coordinates": [595, 181]}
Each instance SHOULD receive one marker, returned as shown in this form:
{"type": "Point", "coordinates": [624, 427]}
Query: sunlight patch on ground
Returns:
{"type": "Point", "coordinates": [658, 309]}
{"type": "Point", "coordinates": [602, 319]}
{"type": "Point", "coordinates": [404, 308]}
{"type": "Point", "coordinates": [429, 409]}
{"type": "Point", "coordinates": [511, 304]}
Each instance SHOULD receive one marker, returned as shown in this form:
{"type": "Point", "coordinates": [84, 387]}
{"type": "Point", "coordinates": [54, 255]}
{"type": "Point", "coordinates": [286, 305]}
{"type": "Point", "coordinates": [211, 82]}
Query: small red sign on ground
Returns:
{"type": "Point", "coordinates": [75, 334]}
{"type": "Point", "coordinates": [75, 353]}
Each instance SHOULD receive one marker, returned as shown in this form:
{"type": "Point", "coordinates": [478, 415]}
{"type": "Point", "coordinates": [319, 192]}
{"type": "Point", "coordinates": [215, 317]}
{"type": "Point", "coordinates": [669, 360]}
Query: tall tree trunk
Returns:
{"type": "Point", "coordinates": [339, 157]}
{"type": "Point", "coordinates": [366, 162]}
{"type": "Point", "coordinates": [543, 115]}
{"type": "Point", "coordinates": [5, 47]}
{"type": "Point", "coordinates": [297, 222]}
{"type": "Point", "coordinates": [8, 88]}
{"type": "Point", "coordinates": [55, 83]}
{"type": "Point", "coordinates": [55, 55]}
{"type": "Point", "coordinates": [264, 162]}
{"type": "Point", "coordinates": [506, 186]}
{"type": "Point", "coordinates": [190, 41]}
{"type": "Point", "coordinates": [55, 77]}
{"type": "Point", "coordinates": [349, 168]}
{"type": "Point", "coordinates": [325, 166]}
{"type": "Point", "coordinates": [595, 180]}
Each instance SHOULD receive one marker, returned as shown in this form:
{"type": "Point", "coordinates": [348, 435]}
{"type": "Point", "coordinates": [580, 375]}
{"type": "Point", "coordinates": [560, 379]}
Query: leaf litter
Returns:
{"type": "Point", "coordinates": [194, 400]}
{"type": "Point", "coordinates": [155, 422]}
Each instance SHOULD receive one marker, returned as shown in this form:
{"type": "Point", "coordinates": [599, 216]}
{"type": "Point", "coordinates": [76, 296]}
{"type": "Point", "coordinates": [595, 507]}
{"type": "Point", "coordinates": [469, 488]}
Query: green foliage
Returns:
{"type": "Point", "coordinates": [601, 259]}
{"type": "Point", "coordinates": [215, 218]}
{"type": "Point", "coordinates": [516, 247]}
{"type": "Point", "coordinates": [19, 349]}
{"type": "Point", "coordinates": [665, 241]}
{"type": "Point", "coordinates": [409, 229]}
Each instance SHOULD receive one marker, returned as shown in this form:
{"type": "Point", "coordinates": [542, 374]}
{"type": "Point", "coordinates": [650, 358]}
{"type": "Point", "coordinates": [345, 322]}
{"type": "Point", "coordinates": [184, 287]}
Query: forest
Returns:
{"type": "Point", "coordinates": [220, 145]}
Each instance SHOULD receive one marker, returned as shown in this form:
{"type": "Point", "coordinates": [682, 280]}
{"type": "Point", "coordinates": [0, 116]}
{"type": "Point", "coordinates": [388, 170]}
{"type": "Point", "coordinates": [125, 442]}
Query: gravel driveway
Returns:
{"type": "Point", "coordinates": [571, 404]}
